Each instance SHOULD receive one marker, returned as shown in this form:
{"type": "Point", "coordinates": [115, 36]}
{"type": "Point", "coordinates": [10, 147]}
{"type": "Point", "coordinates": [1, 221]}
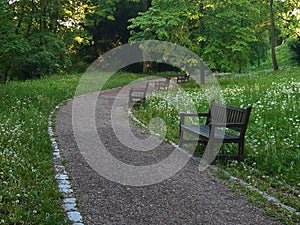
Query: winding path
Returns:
{"type": "Point", "coordinates": [188, 197]}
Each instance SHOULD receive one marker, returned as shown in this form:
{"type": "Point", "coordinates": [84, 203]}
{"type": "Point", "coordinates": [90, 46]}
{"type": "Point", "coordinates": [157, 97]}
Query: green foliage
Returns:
{"type": "Point", "coordinates": [286, 21]}
{"type": "Point", "coordinates": [259, 48]}
{"type": "Point", "coordinates": [39, 38]}
{"type": "Point", "coordinates": [294, 46]}
{"type": "Point", "coordinates": [227, 35]}
{"type": "Point", "coordinates": [36, 38]}
{"type": "Point", "coordinates": [49, 56]}
{"type": "Point", "coordinates": [36, 56]}
{"type": "Point", "coordinates": [106, 24]}
{"type": "Point", "coordinates": [172, 21]}
{"type": "Point", "coordinates": [284, 58]}
{"type": "Point", "coordinates": [223, 33]}
{"type": "Point", "coordinates": [230, 34]}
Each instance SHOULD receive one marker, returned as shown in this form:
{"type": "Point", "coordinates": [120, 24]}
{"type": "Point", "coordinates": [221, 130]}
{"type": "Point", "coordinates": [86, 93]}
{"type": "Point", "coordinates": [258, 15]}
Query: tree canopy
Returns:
{"type": "Point", "coordinates": [228, 35]}
{"type": "Point", "coordinates": [40, 37]}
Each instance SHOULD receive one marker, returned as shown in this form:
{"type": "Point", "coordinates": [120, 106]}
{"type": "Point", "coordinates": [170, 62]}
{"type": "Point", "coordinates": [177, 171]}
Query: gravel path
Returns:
{"type": "Point", "coordinates": [189, 197]}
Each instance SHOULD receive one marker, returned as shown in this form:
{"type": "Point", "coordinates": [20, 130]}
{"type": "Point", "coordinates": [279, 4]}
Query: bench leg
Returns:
{"type": "Point", "coordinates": [241, 151]}
{"type": "Point", "coordinates": [180, 138]}
{"type": "Point", "coordinates": [211, 147]}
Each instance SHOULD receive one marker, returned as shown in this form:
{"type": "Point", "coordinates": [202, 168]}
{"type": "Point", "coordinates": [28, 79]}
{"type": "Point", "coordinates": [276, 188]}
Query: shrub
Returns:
{"type": "Point", "coordinates": [294, 45]}
{"type": "Point", "coordinates": [48, 55]}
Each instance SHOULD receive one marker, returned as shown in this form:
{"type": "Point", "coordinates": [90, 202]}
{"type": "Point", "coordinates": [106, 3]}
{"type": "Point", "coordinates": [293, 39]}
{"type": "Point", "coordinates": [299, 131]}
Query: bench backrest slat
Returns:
{"type": "Point", "coordinates": [146, 89]}
{"type": "Point", "coordinates": [220, 113]}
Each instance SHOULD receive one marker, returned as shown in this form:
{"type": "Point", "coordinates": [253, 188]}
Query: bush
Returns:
{"type": "Point", "coordinates": [48, 55]}
{"type": "Point", "coordinates": [40, 64]}
{"type": "Point", "coordinates": [294, 45]}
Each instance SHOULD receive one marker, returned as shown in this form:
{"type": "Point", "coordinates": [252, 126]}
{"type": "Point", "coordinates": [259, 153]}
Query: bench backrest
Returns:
{"type": "Point", "coordinates": [224, 114]}
{"type": "Point", "coordinates": [146, 89]}
{"type": "Point", "coordinates": [132, 91]}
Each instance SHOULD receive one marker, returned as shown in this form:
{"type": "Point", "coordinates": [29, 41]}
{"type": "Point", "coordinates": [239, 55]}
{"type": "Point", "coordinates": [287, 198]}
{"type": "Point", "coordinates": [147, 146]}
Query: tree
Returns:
{"type": "Point", "coordinates": [107, 23]}
{"type": "Point", "coordinates": [273, 40]}
{"type": "Point", "coordinates": [172, 21]}
{"type": "Point", "coordinates": [230, 33]}
{"type": "Point", "coordinates": [167, 20]}
{"type": "Point", "coordinates": [37, 36]}
{"type": "Point", "coordinates": [11, 43]}
{"type": "Point", "coordinates": [223, 33]}
{"type": "Point", "coordinates": [283, 24]}
{"type": "Point", "coordinates": [286, 18]}
{"type": "Point", "coordinates": [294, 45]}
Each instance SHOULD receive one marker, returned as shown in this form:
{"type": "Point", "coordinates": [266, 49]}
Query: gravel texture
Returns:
{"type": "Point", "coordinates": [188, 197]}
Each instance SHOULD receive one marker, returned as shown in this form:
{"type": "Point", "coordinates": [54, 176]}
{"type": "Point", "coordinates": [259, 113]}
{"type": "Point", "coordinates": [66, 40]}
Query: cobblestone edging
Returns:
{"type": "Point", "coordinates": [62, 177]}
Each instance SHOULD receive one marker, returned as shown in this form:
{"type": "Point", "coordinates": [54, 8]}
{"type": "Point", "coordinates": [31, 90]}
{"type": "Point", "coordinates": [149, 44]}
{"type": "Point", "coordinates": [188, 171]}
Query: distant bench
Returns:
{"type": "Point", "coordinates": [137, 95]}
{"type": "Point", "coordinates": [162, 84]}
{"type": "Point", "coordinates": [183, 78]}
{"type": "Point", "coordinates": [219, 117]}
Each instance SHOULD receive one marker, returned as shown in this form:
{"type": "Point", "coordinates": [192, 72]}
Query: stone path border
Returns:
{"type": "Point", "coordinates": [62, 177]}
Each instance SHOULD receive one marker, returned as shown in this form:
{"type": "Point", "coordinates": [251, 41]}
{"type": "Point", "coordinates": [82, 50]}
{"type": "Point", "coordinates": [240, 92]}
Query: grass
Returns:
{"type": "Point", "coordinates": [28, 189]}
{"type": "Point", "coordinates": [272, 161]}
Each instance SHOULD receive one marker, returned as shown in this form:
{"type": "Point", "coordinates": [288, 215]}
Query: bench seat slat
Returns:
{"type": "Point", "coordinates": [137, 94]}
{"type": "Point", "coordinates": [204, 130]}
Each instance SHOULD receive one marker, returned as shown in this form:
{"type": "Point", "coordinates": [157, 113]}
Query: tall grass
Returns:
{"type": "Point", "coordinates": [273, 144]}
{"type": "Point", "coordinates": [28, 190]}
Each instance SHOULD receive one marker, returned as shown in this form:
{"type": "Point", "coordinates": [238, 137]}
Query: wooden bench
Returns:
{"type": "Point", "coordinates": [137, 95]}
{"type": "Point", "coordinates": [183, 78]}
{"type": "Point", "coordinates": [224, 124]}
{"type": "Point", "coordinates": [162, 84]}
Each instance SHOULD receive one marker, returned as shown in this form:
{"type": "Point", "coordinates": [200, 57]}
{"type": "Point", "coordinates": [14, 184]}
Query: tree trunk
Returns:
{"type": "Point", "coordinates": [273, 39]}
{"type": "Point", "coordinates": [147, 4]}
{"type": "Point", "coordinates": [5, 74]}
{"type": "Point", "coordinates": [20, 21]}
{"type": "Point", "coordinates": [202, 73]}
{"type": "Point", "coordinates": [146, 64]}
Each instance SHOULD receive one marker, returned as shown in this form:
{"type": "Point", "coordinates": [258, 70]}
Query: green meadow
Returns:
{"type": "Point", "coordinates": [29, 193]}
{"type": "Point", "coordinates": [28, 189]}
{"type": "Point", "coordinates": [272, 158]}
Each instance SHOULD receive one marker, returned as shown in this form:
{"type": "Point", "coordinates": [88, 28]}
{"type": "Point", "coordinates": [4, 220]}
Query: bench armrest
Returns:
{"type": "Point", "coordinates": [194, 114]}
{"type": "Point", "coordinates": [226, 124]}
{"type": "Point", "coordinates": [137, 90]}
{"type": "Point", "coordinates": [239, 127]}
{"type": "Point", "coordinates": [183, 115]}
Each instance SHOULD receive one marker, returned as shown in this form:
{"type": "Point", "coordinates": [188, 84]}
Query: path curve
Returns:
{"type": "Point", "coordinates": [189, 197]}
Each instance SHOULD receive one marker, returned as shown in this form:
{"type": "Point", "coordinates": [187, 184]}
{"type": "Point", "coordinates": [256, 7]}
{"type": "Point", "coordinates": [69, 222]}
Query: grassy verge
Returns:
{"type": "Point", "coordinates": [28, 190]}
{"type": "Point", "coordinates": [272, 160]}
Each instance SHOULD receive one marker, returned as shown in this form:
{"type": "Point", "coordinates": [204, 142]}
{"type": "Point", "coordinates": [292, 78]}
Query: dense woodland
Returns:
{"type": "Point", "coordinates": [39, 37]}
